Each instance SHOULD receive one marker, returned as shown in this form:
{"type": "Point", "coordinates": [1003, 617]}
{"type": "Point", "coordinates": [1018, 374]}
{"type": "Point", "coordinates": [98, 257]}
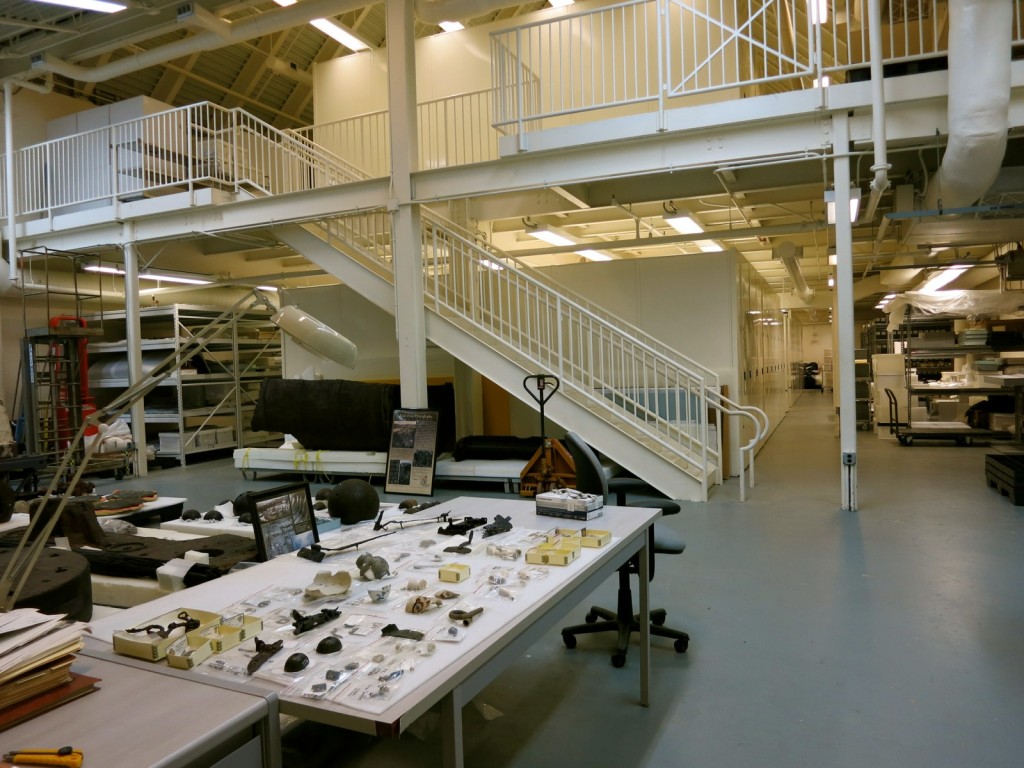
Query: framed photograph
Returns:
{"type": "Point", "coordinates": [283, 520]}
{"type": "Point", "coordinates": [412, 451]}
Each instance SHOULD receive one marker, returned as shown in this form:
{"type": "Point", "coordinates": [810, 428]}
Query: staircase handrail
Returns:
{"type": "Point", "coordinates": [709, 375]}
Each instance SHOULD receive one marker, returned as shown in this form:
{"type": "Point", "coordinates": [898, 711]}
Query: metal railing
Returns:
{"type": "Point", "coordinates": [454, 130]}
{"type": "Point", "coordinates": [645, 55]}
{"type": "Point", "coordinates": [614, 368]}
{"type": "Point", "coordinates": [177, 150]}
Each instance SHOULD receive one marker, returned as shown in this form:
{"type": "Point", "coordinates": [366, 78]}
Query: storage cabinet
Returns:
{"type": "Point", "coordinates": [207, 403]}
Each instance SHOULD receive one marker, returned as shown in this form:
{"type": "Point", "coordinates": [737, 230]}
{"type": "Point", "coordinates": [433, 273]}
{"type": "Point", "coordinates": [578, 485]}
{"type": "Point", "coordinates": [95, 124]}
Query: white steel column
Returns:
{"type": "Point", "coordinates": [407, 252]}
{"type": "Point", "coordinates": [133, 336]}
{"type": "Point", "coordinates": [844, 359]}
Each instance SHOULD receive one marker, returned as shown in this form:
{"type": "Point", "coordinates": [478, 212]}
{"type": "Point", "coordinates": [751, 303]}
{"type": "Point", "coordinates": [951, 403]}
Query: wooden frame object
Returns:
{"type": "Point", "coordinates": [283, 520]}
{"type": "Point", "coordinates": [412, 452]}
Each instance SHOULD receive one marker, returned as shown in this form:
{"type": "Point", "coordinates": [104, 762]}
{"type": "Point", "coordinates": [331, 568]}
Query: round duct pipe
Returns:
{"type": "Point", "coordinates": [789, 255]}
{"type": "Point", "coordinates": [979, 102]}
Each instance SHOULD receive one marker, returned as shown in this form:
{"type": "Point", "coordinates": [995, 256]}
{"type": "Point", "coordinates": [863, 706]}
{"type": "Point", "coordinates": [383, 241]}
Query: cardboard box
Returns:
{"type": "Point", "coordinates": [149, 645]}
{"type": "Point", "coordinates": [557, 550]}
{"type": "Point", "coordinates": [189, 650]}
{"type": "Point", "coordinates": [570, 500]}
{"type": "Point", "coordinates": [588, 537]}
{"type": "Point", "coordinates": [233, 631]}
{"type": "Point", "coordinates": [454, 572]}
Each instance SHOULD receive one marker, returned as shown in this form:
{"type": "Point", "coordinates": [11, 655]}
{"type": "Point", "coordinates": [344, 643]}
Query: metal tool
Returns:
{"type": "Point", "coordinates": [63, 756]}
{"type": "Point", "coordinates": [466, 617]}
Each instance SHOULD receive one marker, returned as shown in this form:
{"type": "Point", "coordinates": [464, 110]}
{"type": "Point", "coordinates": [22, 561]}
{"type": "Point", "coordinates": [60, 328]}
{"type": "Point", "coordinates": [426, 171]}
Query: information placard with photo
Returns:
{"type": "Point", "coordinates": [412, 452]}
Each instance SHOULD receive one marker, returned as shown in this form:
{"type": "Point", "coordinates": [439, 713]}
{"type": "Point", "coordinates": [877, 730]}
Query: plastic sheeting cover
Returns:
{"type": "Point", "coordinates": [969, 304]}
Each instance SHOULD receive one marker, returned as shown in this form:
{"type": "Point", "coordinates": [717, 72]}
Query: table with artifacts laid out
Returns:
{"type": "Point", "coordinates": [381, 620]}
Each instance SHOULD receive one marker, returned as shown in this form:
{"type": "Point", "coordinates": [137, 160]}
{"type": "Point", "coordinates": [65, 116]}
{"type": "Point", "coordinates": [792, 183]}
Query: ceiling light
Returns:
{"type": "Point", "coordinates": [831, 282]}
{"type": "Point", "coordinates": [549, 237]}
{"type": "Point", "coordinates": [830, 204]}
{"type": "Point", "coordinates": [161, 276]}
{"type": "Point", "coordinates": [593, 255]}
{"type": "Point", "coordinates": [332, 30]}
{"type": "Point", "coordinates": [833, 257]}
{"type": "Point", "coordinates": [824, 82]}
{"type": "Point", "coordinates": [560, 3]}
{"type": "Point", "coordinates": [941, 279]}
{"type": "Point", "coordinates": [684, 224]}
{"type": "Point", "coordinates": [708, 246]}
{"type": "Point", "coordinates": [451, 26]}
{"type": "Point", "coordinates": [554, 236]}
{"type": "Point", "coordinates": [88, 5]}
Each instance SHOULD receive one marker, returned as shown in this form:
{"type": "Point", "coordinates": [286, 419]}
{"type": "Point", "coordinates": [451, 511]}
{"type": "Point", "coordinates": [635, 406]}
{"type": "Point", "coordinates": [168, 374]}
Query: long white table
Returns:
{"type": "Point", "coordinates": [455, 673]}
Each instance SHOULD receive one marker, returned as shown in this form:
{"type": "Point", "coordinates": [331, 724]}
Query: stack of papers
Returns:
{"type": "Point", "coordinates": [36, 654]}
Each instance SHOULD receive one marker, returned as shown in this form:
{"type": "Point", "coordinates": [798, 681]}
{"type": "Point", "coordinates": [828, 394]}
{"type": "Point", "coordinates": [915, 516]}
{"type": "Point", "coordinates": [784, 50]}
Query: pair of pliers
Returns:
{"type": "Point", "coordinates": [66, 756]}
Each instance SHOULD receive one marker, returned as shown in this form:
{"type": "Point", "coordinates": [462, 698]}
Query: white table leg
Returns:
{"type": "Point", "coordinates": [451, 729]}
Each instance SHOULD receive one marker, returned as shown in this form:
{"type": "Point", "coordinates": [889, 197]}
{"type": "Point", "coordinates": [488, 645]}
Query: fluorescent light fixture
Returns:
{"type": "Point", "coordinates": [451, 26]}
{"type": "Point", "coordinates": [824, 82]}
{"type": "Point", "coordinates": [593, 255]}
{"type": "Point", "coordinates": [831, 282]}
{"type": "Point", "coordinates": [554, 237]}
{"type": "Point", "coordinates": [889, 296]}
{"type": "Point", "coordinates": [163, 277]}
{"type": "Point", "coordinates": [941, 279]}
{"type": "Point", "coordinates": [560, 3]}
{"type": "Point", "coordinates": [818, 10]}
{"type": "Point", "coordinates": [830, 204]}
{"type": "Point", "coordinates": [833, 258]}
{"type": "Point", "coordinates": [88, 5]}
{"type": "Point", "coordinates": [684, 224]}
{"type": "Point", "coordinates": [708, 246]}
{"type": "Point", "coordinates": [332, 30]}
{"type": "Point", "coordinates": [103, 270]}
{"type": "Point", "coordinates": [549, 237]}
{"type": "Point", "coordinates": [492, 265]}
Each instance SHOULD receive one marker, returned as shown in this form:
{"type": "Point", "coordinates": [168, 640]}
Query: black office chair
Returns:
{"type": "Point", "coordinates": [591, 478]}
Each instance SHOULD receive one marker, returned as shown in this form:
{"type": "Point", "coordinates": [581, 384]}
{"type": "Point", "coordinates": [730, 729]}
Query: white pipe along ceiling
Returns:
{"type": "Point", "coordinates": [979, 102]}
{"type": "Point", "coordinates": [978, 112]}
{"type": "Point", "coordinates": [789, 255]}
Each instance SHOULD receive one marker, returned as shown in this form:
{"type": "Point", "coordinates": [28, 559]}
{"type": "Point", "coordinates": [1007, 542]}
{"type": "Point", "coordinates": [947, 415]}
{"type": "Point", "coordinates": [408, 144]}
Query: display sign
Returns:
{"type": "Point", "coordinates": [412, 452]}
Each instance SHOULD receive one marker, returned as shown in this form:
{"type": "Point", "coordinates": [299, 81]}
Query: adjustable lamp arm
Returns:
{"type": "Point", "coordinates": [25, 555]}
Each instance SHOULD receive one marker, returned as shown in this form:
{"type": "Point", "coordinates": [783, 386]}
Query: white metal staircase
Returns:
{"type": "Point", "coordinates": [481, 304]}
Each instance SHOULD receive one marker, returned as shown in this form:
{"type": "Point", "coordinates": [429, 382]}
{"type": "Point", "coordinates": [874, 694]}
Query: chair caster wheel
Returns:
{"type": "Point", "coordinates": [618, 660]}
{"type": "Point", "coordinates": [570, 641]}
{"type": "Point", "coordinates": [590, 618]}
{"type": "Point", "coordinates": [682, 644]}
{"type": "Point", "coordinates": [658, 618]}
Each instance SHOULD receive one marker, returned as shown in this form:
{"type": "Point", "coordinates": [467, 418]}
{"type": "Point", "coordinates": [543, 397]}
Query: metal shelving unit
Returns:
{"type": "Point", "coordinates": [206, 405]}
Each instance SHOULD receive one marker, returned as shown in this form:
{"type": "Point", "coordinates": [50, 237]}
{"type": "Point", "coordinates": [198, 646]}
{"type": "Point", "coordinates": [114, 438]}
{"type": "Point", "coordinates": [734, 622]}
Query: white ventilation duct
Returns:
{"type": "Point", "coordinates": [979, 102]}
{"type": "Point", "coordinates": [207, 40]}
{"type": "Point", "coordinates": [789, 255]}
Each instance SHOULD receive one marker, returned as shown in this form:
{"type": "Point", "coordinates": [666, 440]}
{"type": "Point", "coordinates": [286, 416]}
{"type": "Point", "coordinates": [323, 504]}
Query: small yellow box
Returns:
{"type": "Point", "coordinates": [453, 572]}
{"type": "Point", "coordinates": [188, 651]}
{"type": "Point", "coordinates": [588, 537]}
{"type": "Point", "coordinates": [149, 645]}
{"type": "Point", "coordinates": [233, 631]}
{"type": "Point", "coordinates": [558, 550]}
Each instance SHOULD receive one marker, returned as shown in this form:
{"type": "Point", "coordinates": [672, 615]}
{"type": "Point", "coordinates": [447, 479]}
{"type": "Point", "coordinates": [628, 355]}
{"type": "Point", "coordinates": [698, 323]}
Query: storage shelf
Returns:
{"type": "Point", "coordinates": [247, 352]}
